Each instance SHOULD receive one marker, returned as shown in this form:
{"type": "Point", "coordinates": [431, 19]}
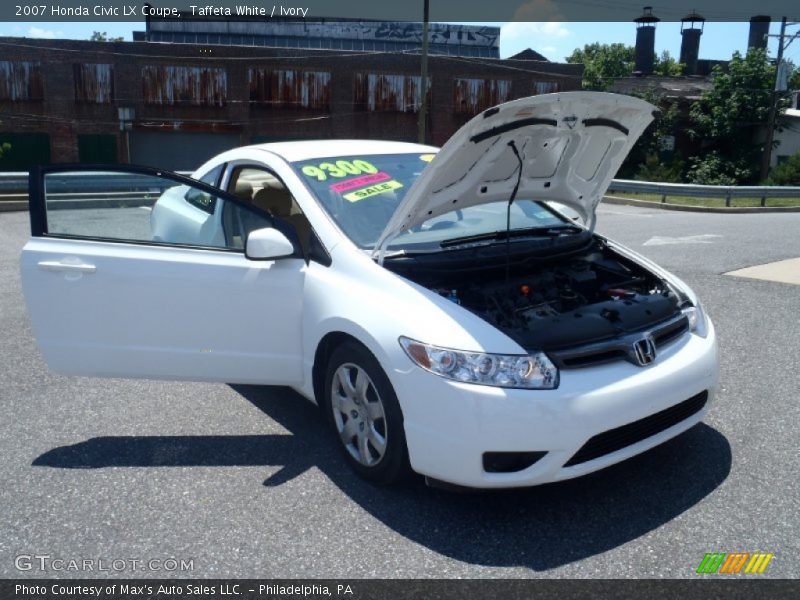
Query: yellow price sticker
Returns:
{"type": "Point", "coordinates": [373, 190]}
{"type": "Point", "coordinates": [339, 169]}
{"type": "Point", "coordinates": [427, 157]}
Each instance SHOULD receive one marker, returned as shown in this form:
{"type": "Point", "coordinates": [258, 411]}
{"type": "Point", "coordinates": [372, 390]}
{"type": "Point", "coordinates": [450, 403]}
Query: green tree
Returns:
{"type": "Point", "coordinates": [102, 36]}
{"type": "Point", "coordinates": [603, 63]}
{"type": "Point", "coordinates": [786, 173]}
{"type": "Point", "coordinates": [649, 159]}
{"type": "Point", "coordinates": [729, 119]}
{"type": "Point", "coordinates": [4, 148]}
{"type": "Point", "coordinates": [794, 80]}
{"type": "Point", "coordinates": [667, 66]}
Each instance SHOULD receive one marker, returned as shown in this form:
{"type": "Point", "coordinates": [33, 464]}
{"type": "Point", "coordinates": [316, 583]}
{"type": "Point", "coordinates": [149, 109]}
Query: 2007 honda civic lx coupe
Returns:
{"type": "Point", "coordinates": [445, 316]}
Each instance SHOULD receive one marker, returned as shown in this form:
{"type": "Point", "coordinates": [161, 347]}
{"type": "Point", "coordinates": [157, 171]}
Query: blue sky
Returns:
{"type": "Point", "coordinates": [554, 40]}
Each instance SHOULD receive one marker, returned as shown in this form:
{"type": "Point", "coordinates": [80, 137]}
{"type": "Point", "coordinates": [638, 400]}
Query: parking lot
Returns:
{"type": "Point", "coordinates": [246, 481]}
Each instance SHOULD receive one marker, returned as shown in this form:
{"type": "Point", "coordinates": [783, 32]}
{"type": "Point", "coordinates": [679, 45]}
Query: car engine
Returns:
{"type": "Point", "coordinates": [581, 298]}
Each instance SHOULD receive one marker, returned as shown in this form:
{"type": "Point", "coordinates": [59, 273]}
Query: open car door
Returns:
{"type": "Point", "coordinates": [109, 297]}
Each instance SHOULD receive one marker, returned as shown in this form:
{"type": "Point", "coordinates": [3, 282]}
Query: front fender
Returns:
{"type": "Point", "coordinates": [357, 297]}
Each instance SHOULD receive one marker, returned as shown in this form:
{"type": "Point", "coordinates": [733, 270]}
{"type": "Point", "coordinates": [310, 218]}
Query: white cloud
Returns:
{"type": "Point", "coordinates": [38, 32]}
{"type": "Point", "coordinates": [549, 29]}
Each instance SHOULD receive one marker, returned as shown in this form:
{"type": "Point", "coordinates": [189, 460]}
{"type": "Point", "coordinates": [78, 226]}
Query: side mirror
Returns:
{"type": "Point", "coordinates": [267, 244]}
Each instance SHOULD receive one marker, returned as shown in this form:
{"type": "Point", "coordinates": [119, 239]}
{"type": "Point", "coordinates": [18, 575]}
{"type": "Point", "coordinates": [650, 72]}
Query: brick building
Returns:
{"type": "Point", "coordinates": [60, 100]}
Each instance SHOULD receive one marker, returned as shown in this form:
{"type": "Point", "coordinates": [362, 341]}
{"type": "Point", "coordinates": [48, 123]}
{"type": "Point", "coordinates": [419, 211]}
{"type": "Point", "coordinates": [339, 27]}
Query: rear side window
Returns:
{"type": "Point", "coordinates": [203, 200]}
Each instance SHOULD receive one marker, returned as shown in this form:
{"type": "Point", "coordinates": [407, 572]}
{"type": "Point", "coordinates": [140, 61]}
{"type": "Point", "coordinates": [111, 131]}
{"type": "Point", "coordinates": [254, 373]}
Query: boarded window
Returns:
{"type": "Point", "coordinates": [21, 80]}
{"type": "Point", "coordinates": [194, 86]}
{"type": "Point", "coordinates": [283, 88]}
{"type": "Point", "coordinates": [471, 96]}
{"type": "Point", "coordinates": [545, 87]}
{"type": "Point", "coordinates": [396, 93]}
{"type": "Point", "coordinates": [94, 83]}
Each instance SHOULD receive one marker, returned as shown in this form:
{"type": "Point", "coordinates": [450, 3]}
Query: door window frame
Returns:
{"type": "Point", "coordinates": [38, 206]}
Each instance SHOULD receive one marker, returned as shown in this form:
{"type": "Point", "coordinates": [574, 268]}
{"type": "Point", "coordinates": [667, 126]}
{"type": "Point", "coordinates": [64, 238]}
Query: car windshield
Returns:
{"type": "Point", "coordinates": [361, 193]}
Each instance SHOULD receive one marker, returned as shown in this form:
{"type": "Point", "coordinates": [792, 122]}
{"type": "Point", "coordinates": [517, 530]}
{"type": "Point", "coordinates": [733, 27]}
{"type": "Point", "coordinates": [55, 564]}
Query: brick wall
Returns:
{"type": "Point", "coordinates": [64, 118]}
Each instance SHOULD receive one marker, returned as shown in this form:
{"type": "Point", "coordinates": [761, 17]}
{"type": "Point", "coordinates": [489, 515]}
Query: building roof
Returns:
{"type": "Point", "coordinates": [687, 88]}
{"type": "Point", "coordinates": [529, 54]}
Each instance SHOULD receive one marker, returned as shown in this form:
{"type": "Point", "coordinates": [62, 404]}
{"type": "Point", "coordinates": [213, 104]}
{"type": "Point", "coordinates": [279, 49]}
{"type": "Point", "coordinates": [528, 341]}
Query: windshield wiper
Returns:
{"type": "Point", "coordinates": [553, 231]}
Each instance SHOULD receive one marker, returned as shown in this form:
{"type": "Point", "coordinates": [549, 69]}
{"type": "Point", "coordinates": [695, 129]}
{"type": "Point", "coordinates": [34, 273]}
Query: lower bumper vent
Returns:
{"type": "Point", "coordinates": [621, 437]}
{"type": "Point", "coordinates": [509, 462]}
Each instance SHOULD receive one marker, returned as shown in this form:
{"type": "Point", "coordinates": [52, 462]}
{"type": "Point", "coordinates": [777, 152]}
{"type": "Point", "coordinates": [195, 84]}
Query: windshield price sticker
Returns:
{"type": "Point", "coordinates": [373, 190]}
{"type": "Point", "coordinates": [339, 169]}
{"type": "Point", "coordinates": [359, 182]}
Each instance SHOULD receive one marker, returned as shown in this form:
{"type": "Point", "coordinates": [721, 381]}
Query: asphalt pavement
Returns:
{"type": "Point", "coordinates": [246, 481]}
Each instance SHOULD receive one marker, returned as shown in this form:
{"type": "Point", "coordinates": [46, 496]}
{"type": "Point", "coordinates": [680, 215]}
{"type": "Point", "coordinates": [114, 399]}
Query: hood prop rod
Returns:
{"type": "Point", "coordinates": [508, 208]}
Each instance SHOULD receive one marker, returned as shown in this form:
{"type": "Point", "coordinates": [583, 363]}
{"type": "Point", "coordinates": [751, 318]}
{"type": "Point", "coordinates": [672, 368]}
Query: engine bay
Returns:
{"type": "Point", "coordinates": [585, 296]}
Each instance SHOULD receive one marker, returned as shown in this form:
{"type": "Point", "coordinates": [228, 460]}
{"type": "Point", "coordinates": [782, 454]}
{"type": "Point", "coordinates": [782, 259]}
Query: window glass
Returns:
{"type": "Point", "coordinates": [361, 193]}
{"type": "Point", "coordinates": [203, 200]}
{"type": "Point", "coordinates": [263, 190]}
{"type": "Point", "coordinates": [135, 207]}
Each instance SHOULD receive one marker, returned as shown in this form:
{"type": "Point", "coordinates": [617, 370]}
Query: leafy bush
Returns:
{"type": "Point", "coordinates": [712, 169]}
{"type": "Point", "coordinates": [786, 173]}
{"type": "Point", "coordinates": [652, 169]}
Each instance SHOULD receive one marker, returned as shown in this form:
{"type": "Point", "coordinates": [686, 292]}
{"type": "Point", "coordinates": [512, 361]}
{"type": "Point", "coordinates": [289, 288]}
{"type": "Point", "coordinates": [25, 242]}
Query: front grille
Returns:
{"type": "Point", "coordinates": [620, 348]}
{"type": "Point", "coordinates": [621, 437]}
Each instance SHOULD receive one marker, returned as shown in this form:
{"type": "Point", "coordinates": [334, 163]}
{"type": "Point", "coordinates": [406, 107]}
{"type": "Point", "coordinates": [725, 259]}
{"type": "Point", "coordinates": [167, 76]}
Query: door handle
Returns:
{"type": "Point", "coordinates": [55, 265]}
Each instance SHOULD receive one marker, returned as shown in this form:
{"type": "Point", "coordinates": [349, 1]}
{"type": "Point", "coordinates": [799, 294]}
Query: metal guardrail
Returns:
{"type": "Point", "coordinates": [11, 183]}
{"type": "Point", "coordinates": [16, 183]}
{"type": "Point", "coordinates": [704, 191]}
{"type": "Point", "coordinates": [15, 186]}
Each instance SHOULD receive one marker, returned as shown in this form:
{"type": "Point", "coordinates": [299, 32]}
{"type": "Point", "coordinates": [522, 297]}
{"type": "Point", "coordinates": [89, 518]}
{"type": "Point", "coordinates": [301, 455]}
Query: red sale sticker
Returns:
{"type": "Point", "coordinates": [360, 182]}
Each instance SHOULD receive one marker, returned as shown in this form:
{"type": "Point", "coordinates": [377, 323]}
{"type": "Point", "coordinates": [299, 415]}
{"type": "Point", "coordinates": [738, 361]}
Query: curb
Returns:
{"type": "Point", "coordinates": [706, 209]}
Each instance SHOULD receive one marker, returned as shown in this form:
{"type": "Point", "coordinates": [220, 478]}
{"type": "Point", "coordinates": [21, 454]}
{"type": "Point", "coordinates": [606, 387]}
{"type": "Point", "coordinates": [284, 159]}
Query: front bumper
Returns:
{"type": "Point", "coordinates": [450, 425]}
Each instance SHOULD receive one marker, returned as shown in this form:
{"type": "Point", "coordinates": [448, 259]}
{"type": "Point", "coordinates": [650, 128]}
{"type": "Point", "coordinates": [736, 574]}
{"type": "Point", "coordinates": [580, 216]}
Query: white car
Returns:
{"type": "Point", "coordinates": [445, 317]}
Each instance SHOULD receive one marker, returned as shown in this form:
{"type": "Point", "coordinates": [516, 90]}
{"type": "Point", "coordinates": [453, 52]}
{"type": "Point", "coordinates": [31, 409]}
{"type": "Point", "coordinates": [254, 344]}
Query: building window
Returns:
{"type": "Point", "coordinates": [545, 87]}
{"type": "Point", "coordinates": [471, 96]}
{"type": "Point", "coordinates": [194, 86]}
{"type": "Point", "coordinates": [94, 83]}
{"type": "Point", "coordinates": [21, 80]}
{"type": "Point", "coordinates": [283, 88]}
{"type": "Point", "coordinates": [376, 92]}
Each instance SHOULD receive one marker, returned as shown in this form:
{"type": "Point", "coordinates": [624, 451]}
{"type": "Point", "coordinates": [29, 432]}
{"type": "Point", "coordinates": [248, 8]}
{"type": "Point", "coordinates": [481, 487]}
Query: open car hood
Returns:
{"type": "Point", "coordinates": [571, 145]}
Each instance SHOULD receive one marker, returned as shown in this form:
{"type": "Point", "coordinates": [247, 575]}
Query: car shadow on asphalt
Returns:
{"type": "Point", "coordinates": [540, 528]}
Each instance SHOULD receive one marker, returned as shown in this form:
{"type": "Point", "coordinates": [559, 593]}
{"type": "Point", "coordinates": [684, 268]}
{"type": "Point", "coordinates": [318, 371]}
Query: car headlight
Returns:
{"type": "Point", "coordinates": [527, 371]}
{"type": "Point", "coordinates": [697, 319]}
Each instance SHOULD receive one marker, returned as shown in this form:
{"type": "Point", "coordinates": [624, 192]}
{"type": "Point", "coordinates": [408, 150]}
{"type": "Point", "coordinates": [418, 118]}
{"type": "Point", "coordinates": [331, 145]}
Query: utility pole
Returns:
{"type": "Point", "coordinates": [773, 109]}
{"type": "Point", "coordinates": [423, 87]}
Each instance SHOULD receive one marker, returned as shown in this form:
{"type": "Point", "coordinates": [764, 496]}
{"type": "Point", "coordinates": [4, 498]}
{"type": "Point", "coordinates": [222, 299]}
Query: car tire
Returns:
{"type": "Point", "coordinates": [363, 410]}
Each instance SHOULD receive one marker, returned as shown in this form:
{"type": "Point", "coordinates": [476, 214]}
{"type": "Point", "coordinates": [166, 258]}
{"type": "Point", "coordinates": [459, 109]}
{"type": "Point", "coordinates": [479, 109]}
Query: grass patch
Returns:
{"type": "Point", "coordinates": [713, 202]}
